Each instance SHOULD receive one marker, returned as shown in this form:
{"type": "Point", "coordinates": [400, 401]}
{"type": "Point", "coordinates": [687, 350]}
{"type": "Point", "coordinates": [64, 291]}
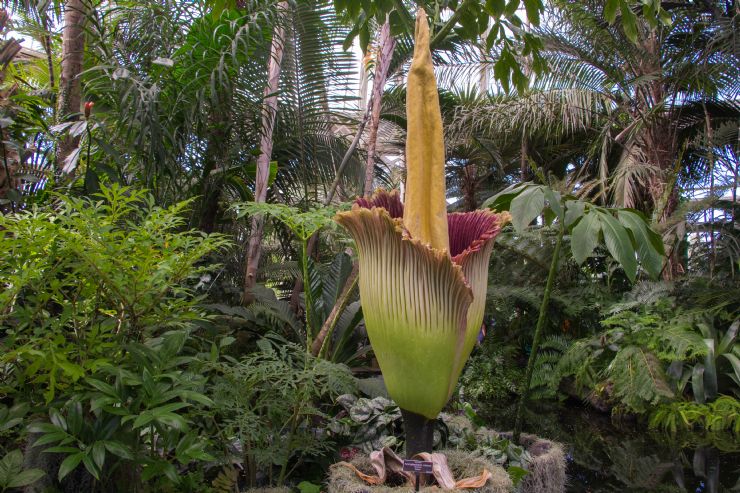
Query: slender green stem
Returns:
{"type": "Point", "coordinates": [440, 35]}
{"type": "Point", "coordinates": [89, 143]}
{"type": "Point", "coordinates": [307, 294]}
{"type": "Point", "coordinates": [538, 332]}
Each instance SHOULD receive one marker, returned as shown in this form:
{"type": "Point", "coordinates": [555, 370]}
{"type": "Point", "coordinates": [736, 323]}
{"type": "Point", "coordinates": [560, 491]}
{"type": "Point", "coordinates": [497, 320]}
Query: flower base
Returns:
{"type": "Point", "coordinates": [343, 479]}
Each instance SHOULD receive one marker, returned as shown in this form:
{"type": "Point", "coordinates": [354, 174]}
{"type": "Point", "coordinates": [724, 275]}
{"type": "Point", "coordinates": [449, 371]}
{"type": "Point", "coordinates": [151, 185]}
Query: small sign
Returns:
{"type": "Point", "coordinates": [417, 466]}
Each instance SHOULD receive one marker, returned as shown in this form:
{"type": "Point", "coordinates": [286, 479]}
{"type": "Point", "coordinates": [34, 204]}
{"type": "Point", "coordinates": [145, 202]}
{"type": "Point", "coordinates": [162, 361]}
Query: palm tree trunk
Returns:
{"type": "Point", "coordinates": [269, 112]}
{"type": "Point", "coordinates": [385, 51]}
{"type": "Point", "coordinates": [69, 98]}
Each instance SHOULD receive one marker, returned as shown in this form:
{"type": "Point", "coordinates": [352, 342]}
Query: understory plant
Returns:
{"type": "Point", "coordinates": [332, 312]}
{"type": "Point", "coordinates": [269, 405]}
{"type": "Point", "coordinates": [99, 338]}
{"type": "Point", "coordinates": [625, 232]}
{"type": "Point", "coordinates": [723, 414]}
{"type": "Point", "coordinates": [654, 354]}
{"type": "Point", "coordinates": [493, 374]}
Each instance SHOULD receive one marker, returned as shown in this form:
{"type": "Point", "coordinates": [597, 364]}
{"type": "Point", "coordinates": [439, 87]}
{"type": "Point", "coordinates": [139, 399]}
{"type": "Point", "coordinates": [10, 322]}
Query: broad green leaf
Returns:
{"type": "Point", "coordinates": [697, 383]}
{"type": "Point", "coordinates": [533, 7]}
{"type": "Point", "coordinates": [574, 210]}
{"type": "Point", "coordinates": [69, 464]}
{"type": "Point", "coordinates": [728, 338]}
{"type": "Point", "coordinates": [57, 419]}
{"type": "Point", "coordinates": [629, 21]}
{"type": "Point", "coordinates": [308, 487]}
{"type": "Point", "coordinates": [24, 478]}
{"type": "Point", "coordinates": [610, 10]}
{"type": "Point", "coordinates": [44, 428]}
{"type": "Point", "coordinates": [502, 200]}
{"type": "Point", "coordinates": [652, 260]}
{"type": "Point", "coordinates": [495, 7]}
{"type": "Point", "coordinates": [364, 36]}
{"type": "Point", "coordinates": [47, 438]}
{"type": "Point", "coordinates": [512, 7]}
{"type": "Point", "coordinates": [118, 449]}
{"type": "Point", "coordinates": [710, 371]}
{"type": "Point", "coordinates": [618, 243]}
{"type": "Point", "coordinates": [526, 207]}
{"type": "Point", "coordinates": [143, 420]}
{"type": "Point", "coordinates": [10, 465]}
{"type": "Point", "coordinates": [585, 237]}
{"type": "Point", "coordinates": [103, 387]}
{"type": "Point", "coordinates": [91, 467]}
{"type": "Point", "coordinates": [516, 474]}
{"type": "Point", "coordinates": [61, 450]}
{"type": "Point", "coordinates": [735, 362]}
{"type": "Point", "coordinates": [98, 454]}
{"type": "Point", "coordinates": [553, 199]}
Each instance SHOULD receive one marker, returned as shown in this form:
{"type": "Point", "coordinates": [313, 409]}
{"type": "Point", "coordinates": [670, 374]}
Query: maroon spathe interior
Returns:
{"type": "Point", "coordinates": [464, 228]}
{"type": "Point", "coordinates": [467, 227]}
{"type": "Point", "coordinates": [390, 201]}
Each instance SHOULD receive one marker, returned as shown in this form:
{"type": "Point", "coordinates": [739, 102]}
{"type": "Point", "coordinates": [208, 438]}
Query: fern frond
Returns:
{"type": "Point", "coordinates": [679, 343]}
{"type": "Point", "coordinates": [638, 379]}
{"type": "Point", "coordinates": [545, 378]}
{"type": "Point", "coordinates": [643, 293]}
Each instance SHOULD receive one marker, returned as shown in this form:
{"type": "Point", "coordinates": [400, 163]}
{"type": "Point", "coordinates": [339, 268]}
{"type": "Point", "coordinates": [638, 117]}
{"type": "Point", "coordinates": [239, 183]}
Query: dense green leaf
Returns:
{"type": "Point", "coordinates": [526, 206]}
{"type": "Point", "coordinates": [650, 258]}
{"type": "Point", "coordinates": [495, 7]}
{"type": "Point", "coordinates": [574, 209]}
{"type": "Point", "coordinates": [629, 21]}
{"type": "Point", "coordinates": [69, 464]}
{"type": "Point", "coordinates": [610, 10]}
{"type": "Point", "coordinates": [25, 478]}
{"type": "Point", "coordinates": [585, 237]}
{"type": "Point", "coordinates": [618, 243]}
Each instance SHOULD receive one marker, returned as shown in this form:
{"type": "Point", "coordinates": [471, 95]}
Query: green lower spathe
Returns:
{"type": "Point", "coordinates": [420, 311]}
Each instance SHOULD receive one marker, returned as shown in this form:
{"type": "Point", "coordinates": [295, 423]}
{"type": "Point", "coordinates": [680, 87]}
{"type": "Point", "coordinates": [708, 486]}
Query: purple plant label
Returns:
{"type": "Point", "coordinates": [417, 466]}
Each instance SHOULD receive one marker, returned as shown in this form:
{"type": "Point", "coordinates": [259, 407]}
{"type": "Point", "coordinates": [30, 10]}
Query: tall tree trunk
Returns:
{"type": "Point", "coordinates": [659, 145]}
{"type": "Point", "coordinates": [385, 52]}
{"type": "Point", "coordinates": [69, 98]}
{"type": "Point", "coordinates": [269, 112]}
{"type": "Point", "coordinates": [469, 187]}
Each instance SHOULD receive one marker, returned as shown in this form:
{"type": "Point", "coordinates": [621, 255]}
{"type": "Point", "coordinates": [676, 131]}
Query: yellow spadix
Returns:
{"type": "Point", "coordinates": [425, 207]}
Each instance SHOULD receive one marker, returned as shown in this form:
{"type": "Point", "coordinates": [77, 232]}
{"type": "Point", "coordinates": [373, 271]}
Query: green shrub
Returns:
{"type": "Point", "coordinates": [97, 325]}
{"type": "Point", "coordinates": [721, 415]}
{"type": "Point", "coordinates": [269, 402]}
{"type": "Point", "coordinates": [492, 373]}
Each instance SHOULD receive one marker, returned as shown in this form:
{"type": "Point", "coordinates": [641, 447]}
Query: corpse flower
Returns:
{"type": "Point", "coordinates": [423, 272]}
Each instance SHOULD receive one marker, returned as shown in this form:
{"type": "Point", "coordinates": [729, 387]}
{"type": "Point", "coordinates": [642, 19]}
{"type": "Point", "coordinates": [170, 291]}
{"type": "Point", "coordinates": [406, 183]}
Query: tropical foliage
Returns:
{"type": "Point", "coordinates": [180, 312]}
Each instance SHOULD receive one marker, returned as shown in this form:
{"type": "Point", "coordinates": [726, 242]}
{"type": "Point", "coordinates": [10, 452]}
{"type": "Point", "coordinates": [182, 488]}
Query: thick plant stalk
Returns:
{"type": "Point", "coordinates": [69, 98]}
{"type": "Point", "coordinates": [386, 44]}
{"type": "Point", "coordinates": [419, 433]}
{"type": "Point", "coordinates": [269, 113]}
{"type": "Point", "coordinates": [538, 332]}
